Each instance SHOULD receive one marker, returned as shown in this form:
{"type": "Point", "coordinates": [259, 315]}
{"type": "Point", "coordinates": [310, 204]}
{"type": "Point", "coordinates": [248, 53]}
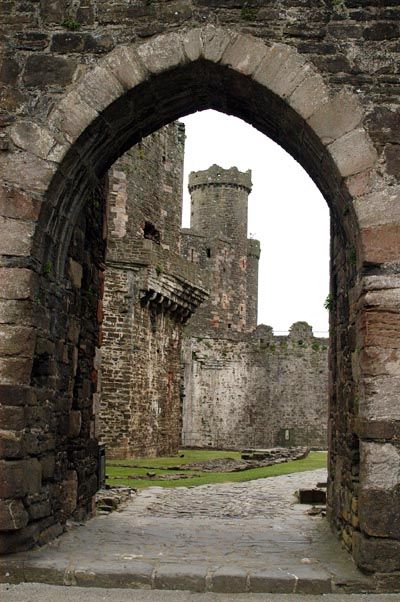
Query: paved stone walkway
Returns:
{"type": "Point", "coordinates": [224, 538]}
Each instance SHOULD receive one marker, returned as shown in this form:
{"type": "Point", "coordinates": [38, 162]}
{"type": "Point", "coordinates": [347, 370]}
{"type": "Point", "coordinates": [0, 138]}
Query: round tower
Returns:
{"type": "Point", "coordinates": [218, 240]}
{"type": "Point", "coordinates": [219, 200]}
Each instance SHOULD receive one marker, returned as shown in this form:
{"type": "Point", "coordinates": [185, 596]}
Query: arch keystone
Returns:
{"type": "Point", "coordinates": [244, 54]}
{"type": "Point", "coordinates": [353, 152]}
{"type": "Point", "coordinates": [192, 44]}
{"type": "Point", "coordinates": [215, 41]}
{"type": "Point", "coordinates": [162, 53]}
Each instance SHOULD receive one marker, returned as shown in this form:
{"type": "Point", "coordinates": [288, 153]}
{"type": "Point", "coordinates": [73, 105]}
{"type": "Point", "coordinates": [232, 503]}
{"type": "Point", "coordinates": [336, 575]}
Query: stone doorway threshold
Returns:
{"type": "Point", "coordinates": [233, 537]}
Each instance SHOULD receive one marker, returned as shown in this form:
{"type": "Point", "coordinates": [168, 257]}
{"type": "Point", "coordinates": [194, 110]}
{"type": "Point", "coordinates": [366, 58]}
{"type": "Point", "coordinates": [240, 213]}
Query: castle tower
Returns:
{"type": "Point", "coordinates": [217, 240]}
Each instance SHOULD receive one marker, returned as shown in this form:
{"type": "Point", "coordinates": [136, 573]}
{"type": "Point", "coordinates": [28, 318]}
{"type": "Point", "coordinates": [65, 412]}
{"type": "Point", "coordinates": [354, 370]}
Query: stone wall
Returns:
{"type": "Point", "coordinates": [150, 291]}
{"type": "Point", "coordinates": [257, 391]}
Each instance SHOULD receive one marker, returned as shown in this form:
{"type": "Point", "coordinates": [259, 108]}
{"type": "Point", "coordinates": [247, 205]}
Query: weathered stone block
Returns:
{"type": "Point", "coordinates": [75, 273]}
{"type": "Point", "coordinates": [392, 155]}
{"type": "Point", "coordinates": [67, 42]}
{"type": "Point", "coordinates": [353, 152]}
{"type": "Point", "coordinates": [99, 43]}
{"type": "Point", "coordinates": [14, 541]}
{"type": "Point", "coordinates": [379, 398]}
{"type": "Point", "coordinates": [192, 44]}
{"type": "Point", "coordinates": [244, 54]}
{"type": "Point", "coordinates": [48, 464]}
{"type": "Point", "coordinates": [17, 204]}
{"type": "Point", "coordinates": [378, 208]}
{"type": "Point", "coordinates": [27, 171]}
{"type": "Point", "coordinates": [30, 136]}
{"type": "Point", "coordinates": [126, 66]}
{"type": "Point", "coordinates": [12, 445]}
{"type": "Point", "coordinates": [282, 70]}
{"type": "Point", "coordinates": [376, 554]}
{"type": "Point", "coordinates": [72, 116]}
{"type": "Point", "coordinates": [75, 423]}
{"type": "Point", "coordinates": [53, 11]}
{"type": "Point", "coordinates": [9, 70]}
{"type": "Point", "coordinates": [381, 243]}
{"type": "Point", "coordinates": [15, 395]}
{"type": "Point", "coordinates": [12, 418]}
{"type": "Point", "coordinates": [16, 237]}
{"type": "Point", "coordinates": [20, 477]}
{"type": "Point", "coordinates": [336, 117]}
{"type": "Point", "coordinates": [215, 42]}
{"type": "Point", "coordinates": [309, 95]}
{"type": "Point", "coordinates": [17, 283]}
{"type": "Point", "coordinates": [31, 40]}
{"type": "Point", "coordinates": [69, 489]}
{"type": "Point", "coordinates": [380, 465]}
{"type": "Point", "coordinates": [48, 70]}
{"type": "Point", "coordinates": [98, 88]}
{"type": "Point", "coordinates": [13, 515]}
{"type": "Point", "coordinates": [380, 519]}
{"type": "Point", "coordinates": [162, 53]}
{"type": "Point", "coordinates": [17, 340]}
{"type": "Point", "coordinates": [15, 370]}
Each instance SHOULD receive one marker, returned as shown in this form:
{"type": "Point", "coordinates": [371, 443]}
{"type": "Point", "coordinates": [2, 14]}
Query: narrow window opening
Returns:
{"type": "Point", "coordinates": [208, 251]}
{"type": "Point", "coordinates": [151, 233]}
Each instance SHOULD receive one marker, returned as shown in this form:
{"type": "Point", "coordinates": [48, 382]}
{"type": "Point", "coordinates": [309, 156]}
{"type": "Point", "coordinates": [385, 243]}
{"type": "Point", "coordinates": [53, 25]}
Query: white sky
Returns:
{"type": "Point", "coordinates": [287, 213]}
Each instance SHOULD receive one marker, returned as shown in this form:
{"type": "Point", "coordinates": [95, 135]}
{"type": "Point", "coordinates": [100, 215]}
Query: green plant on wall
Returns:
{"type": "Point", "coordinates": [352, 256]}
{"type": "Point", "coordinates": [328, 303]}
{"type": "Point", "coordinates": [248, 14]}
{"type": "Point", "coordinates": [71, 24]}
{"type": "Point", "coordinates": [47, 268]}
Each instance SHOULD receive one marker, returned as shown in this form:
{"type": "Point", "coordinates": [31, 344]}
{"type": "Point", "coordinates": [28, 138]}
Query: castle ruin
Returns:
{"type": "Point", "coordinates": [189, 296]}
{"type": "Point", "coordinates": [243, 387]}
{"type": "Point", "coordinates": [320, 79]}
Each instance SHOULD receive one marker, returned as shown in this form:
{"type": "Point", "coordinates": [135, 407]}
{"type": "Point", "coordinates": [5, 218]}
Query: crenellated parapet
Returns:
{"type": "Point", "coordinates": [218, 176]}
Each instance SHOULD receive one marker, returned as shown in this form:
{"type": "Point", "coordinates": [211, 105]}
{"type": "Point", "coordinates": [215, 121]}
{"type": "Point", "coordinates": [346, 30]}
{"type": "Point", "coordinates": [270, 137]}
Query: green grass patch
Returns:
{"type": "Point", "coordinates": [140, 466]}
{"type": "Point", "coordinates": [189, 456]}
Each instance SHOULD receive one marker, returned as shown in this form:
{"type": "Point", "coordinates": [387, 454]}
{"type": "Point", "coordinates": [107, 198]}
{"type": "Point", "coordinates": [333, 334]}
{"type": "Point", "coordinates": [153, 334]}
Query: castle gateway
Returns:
{"type": "Point", "coordinates": [84, 81]}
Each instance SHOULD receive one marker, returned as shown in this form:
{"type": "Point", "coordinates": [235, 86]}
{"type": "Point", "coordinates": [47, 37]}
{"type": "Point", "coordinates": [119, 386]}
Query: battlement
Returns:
{"type": "Point", "coordinates": [217, 176]}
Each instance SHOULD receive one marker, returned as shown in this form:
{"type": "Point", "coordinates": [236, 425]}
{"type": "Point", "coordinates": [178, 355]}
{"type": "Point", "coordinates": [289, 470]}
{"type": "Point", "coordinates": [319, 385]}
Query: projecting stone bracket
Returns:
{"type": "Point", "coordinates": [168, 293]}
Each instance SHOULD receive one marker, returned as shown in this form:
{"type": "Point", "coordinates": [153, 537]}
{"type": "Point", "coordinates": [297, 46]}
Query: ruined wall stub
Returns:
{"type": "Point", "coordinates": [317, 77]}
{"type": "Point", "coordinates": [140, 408]}
{"type": "Point", "coordinates": [257, 390]}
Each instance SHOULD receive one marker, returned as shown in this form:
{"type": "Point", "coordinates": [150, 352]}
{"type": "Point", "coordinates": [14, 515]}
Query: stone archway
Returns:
{"type": "Point", "coordinates": [51, 305]}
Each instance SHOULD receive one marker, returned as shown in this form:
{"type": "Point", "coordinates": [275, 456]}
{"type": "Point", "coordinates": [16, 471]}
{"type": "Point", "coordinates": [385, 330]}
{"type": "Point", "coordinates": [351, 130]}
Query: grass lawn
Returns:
{"type": "Point", "coordinates": [120, 470]}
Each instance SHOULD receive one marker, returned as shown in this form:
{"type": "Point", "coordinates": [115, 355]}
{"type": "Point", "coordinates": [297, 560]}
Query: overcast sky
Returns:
{"type": "Point", "coordinates": [287, 213]}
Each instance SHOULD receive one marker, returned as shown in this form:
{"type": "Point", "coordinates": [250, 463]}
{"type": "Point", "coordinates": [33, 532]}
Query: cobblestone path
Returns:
{"type": "Point", "coordinates": [228, 537]}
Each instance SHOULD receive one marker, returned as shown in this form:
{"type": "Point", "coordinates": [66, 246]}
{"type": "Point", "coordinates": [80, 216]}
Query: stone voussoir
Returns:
{"type": "Point", "coordinates": [353, 152]}
{"type": "Point", "coordinates": [162, 53]}
{"type": "Point", "coordinates": [244, 54]}
{"type": "Point", "coordinates": [126, 66]}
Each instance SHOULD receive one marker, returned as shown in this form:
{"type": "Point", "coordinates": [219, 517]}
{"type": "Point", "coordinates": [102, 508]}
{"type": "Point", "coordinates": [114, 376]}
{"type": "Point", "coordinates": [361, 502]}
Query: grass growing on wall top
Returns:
{"type": "Point", "coordinates": [123, 471]}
